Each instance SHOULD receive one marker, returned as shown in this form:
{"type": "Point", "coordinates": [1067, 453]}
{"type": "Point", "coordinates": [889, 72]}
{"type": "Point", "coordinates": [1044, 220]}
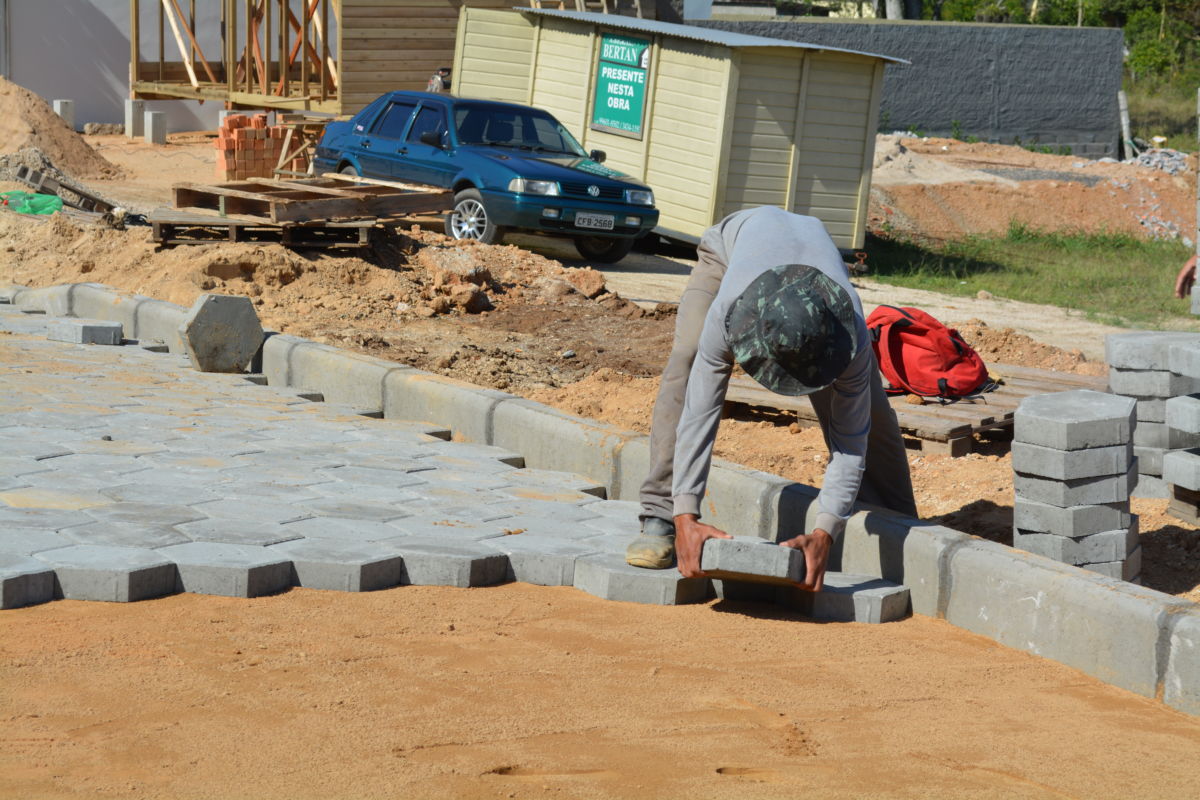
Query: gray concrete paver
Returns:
{"type": "Point", "coordinates": [231, 570]}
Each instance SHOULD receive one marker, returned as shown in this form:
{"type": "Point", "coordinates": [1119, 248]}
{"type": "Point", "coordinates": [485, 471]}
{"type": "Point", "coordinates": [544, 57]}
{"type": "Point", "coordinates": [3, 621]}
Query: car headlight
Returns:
{"type": "Point", "coordinates": [526, 186]}
{"type": "Point", "coordinates": [639, 197]}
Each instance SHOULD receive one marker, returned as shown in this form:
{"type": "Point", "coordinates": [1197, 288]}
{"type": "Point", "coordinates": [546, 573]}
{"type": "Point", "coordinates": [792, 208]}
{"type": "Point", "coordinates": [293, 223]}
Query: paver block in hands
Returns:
{"type": "Point", "coordinates": [748, 558]}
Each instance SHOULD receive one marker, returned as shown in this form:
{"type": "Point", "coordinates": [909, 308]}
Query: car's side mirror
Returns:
{"type": "Point", "coordinates": [431, 138]}
{"type": "Point", "coordinates": [598, 156]}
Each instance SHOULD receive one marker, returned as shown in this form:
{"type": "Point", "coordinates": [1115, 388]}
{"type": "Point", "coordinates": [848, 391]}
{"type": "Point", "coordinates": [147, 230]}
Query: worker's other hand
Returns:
{"type": "Point", "coordinates": [1185, 278]}
{"type": "Point", "coordinates": [690, 535]}
{"type": "Point", "coordinates": [815, 547]}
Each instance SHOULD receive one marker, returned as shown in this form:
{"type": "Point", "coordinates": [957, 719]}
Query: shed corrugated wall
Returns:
{"type": "Point", "coordinates": [495, 59]}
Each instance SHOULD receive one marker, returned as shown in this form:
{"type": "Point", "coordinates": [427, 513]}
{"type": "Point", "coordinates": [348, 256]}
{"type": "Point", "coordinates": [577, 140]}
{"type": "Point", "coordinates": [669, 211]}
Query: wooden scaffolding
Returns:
{"type": "Point", "coordinates": [330, 56]}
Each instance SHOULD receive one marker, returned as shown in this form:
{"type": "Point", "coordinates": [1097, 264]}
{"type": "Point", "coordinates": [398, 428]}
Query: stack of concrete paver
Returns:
{"type": "Point", "coordinates": [1181, 468]}
{"type": "Point", "coordinates": [1139, 368]}
{"type": "Point", "coordinates": [1073, 457]}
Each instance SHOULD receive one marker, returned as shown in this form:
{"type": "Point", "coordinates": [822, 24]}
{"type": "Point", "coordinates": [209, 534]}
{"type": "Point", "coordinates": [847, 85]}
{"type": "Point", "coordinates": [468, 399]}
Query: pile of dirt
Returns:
{"type": "Point", "coordinates": [1007, 346]}
{"type": "Point", "coordinates": [946, 189]}
{"type": "Point", "coordinates": [27, 121]}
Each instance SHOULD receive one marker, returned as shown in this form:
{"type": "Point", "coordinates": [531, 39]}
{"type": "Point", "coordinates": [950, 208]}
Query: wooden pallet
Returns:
{"type": "Point", "coordinates": [312, 199]}
{"type": "Point", "coordinates": [171, 227]}
{"type": "Point", "coordinates": [941, 428]}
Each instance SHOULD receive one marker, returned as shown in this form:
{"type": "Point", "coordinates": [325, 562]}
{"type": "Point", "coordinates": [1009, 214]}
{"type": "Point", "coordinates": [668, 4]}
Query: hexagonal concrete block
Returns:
{"type": "Point", "coordinates": [1084, 491]}
{"type": "Point", "coordinates": [232, 570]}
{"type": "Point", "coordinates": [27, 541]}
{"type": "Point", "coordinates": [748, 558]}
{"type": "Point", "coordinates": [231, 531]}
{"type": "Point", "coordinates": [1184, 359]}
{"type": "Point", "coordinates": [849, 598]}
{"type": "Point", "coordinates": [541, 560]}
{"type": "Point", "coordinates": [1125, 569]}
{"type": "Point", "coordinates": [24, 581]}
{"type": "Point", "coordinates": [342, 566]}
{"type": "Point", "coordinates": [609, 577]}
{"type": "Point", "coordinates": [1075, 521]}
{"type": "Point", "coordinates": [1075, 420]}
{"type": "Point", "coordinates": [114, 574]}
{"type": "Point", "coordinates": [221, 333]}
{"type": "Point", "coordinates": [429, 562]}
{"type": "Point", "coordinates": [1091, 462]}
{"type": "Point", "coordinates": [1091, 549]}
{"type": "Point", "coordinates": [125, 534]}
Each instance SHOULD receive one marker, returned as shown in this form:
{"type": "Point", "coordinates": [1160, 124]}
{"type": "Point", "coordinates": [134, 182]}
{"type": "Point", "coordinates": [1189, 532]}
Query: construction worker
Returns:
{"type": "Point", "coordinates": [769, 292]}
{"type": "Point", "coordinates": [1186, 277]}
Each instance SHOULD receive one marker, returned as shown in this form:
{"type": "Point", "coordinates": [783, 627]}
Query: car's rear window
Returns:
{"type": "Point", "coordinates": [530, 130]}
{"type": "Point", "coordinates": [393, 122]}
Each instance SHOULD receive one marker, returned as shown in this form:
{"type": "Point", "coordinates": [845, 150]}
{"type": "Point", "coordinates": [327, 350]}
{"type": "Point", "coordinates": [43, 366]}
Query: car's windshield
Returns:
{"type": "Point", "coordinates": [525, 130]}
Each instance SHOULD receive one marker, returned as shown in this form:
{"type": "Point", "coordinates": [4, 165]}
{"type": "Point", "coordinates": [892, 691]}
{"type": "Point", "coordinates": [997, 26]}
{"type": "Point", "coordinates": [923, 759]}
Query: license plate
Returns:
{"type": "Point", "coordinates": [600, 222]}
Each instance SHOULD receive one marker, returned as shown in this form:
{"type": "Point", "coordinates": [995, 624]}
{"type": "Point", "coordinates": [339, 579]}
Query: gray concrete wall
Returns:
{"type": "Point", "coordinates": [1050, 85]}
{"type": "Point", "coordinates": [79, 50]}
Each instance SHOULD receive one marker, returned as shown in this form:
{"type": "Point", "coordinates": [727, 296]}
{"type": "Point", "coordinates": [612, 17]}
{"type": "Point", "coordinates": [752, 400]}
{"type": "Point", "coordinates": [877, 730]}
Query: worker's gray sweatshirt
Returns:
{"type": "Point", "coordinates": [750, 243]}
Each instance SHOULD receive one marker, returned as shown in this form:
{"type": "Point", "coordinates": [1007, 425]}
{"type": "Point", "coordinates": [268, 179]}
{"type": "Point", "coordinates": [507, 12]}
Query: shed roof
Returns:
{"type": "Point", "coordinates": [710, 35]}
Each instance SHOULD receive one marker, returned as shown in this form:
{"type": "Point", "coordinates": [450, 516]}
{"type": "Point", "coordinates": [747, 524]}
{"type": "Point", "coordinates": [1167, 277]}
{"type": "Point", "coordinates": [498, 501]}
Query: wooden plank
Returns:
{"type": "Point", "coordinates": [307, 203]}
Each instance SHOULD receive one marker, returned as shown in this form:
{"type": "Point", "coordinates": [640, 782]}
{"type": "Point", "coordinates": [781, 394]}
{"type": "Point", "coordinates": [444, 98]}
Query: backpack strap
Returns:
{"type": "Point", "coordinates": [885, 351]}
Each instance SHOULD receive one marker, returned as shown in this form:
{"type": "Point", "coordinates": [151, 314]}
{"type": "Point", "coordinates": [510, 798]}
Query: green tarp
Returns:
{"type": "Point", "coordinates": [26, 203]}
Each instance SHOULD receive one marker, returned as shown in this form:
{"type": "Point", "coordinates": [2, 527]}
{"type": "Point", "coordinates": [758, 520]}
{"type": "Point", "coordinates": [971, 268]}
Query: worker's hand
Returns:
{"type": "Point", "coordinates": [1185, 278]}
{"type": "Point", "coordinates": [815, 547]}
{"type": "Point", "coordinates": [690, 535]}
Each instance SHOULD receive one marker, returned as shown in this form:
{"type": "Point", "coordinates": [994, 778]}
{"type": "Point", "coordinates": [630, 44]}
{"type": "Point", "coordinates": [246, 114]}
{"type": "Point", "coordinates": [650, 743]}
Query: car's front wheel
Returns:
{"type": "Point", "coordinates": [470, 219]}
{"type": "Point", "coordinates": [350, 170]}
{"type": "Point", "coordinates": [605, 249]}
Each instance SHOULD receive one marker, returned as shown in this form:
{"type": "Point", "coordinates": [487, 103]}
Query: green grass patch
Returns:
{"type": "Point", "coordinates": [1163, 109]}
{"type": "Point", "coordinates": [1112, 277]}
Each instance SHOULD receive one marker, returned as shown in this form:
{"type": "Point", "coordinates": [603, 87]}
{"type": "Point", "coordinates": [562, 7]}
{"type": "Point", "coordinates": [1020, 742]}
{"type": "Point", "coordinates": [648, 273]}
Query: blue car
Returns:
{"type": "Point", "coordinates": [511, 167]}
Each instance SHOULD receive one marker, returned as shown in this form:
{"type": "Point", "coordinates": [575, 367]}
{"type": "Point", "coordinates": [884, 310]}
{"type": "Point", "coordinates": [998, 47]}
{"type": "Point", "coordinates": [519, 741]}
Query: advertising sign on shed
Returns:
{"type": "Point", "coordinates": [619, 104]}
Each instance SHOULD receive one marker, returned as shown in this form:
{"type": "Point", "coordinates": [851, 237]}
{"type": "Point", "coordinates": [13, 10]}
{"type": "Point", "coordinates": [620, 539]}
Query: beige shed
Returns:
{"type": "Point", "coordinates": [713, 121]}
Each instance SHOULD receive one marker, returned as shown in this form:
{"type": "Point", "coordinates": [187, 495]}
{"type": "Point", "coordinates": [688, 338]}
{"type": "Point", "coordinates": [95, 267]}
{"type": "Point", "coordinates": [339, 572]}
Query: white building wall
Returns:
{"type": "Point", "coordinates": [79, 50]}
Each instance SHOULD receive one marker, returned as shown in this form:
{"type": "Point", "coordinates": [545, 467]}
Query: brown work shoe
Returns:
{"type": "Point", "coordinates": [655, 548]}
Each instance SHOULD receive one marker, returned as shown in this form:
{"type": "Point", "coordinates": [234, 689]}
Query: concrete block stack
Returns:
{"type": "Point", "coordinates": [1181, 468]}
{"type": "Point", "coordinates": [1075, 470]}
{"type": "Point", "coordinates": [1139, 368]}
{"type": "Point", "coordinates": [247, 147]}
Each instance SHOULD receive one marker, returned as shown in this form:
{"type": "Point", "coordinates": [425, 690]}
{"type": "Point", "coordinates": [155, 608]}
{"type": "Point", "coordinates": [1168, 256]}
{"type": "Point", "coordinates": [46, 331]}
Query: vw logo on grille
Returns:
{"type": "Point", "coordinates": [594, 190]}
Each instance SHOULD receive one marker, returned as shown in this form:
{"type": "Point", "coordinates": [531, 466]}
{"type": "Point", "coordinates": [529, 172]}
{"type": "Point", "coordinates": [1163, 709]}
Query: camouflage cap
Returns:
{"type": "Point", "coordinates": [793, 329]}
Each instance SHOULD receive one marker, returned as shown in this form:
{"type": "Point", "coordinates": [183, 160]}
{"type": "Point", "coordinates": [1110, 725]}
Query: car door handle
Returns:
{"type": "Point", "coordinates": [366, 143]}
{"type": "Point", "coordinates": [401, 151]}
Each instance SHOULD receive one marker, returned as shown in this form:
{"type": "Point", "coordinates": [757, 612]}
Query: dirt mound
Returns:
{"type": "Point", "coordinates": [1007, 346]}
{"type": "Point", "coordinates": [26, 120]}
{"type": "Point", "coordinates": [946, 189]}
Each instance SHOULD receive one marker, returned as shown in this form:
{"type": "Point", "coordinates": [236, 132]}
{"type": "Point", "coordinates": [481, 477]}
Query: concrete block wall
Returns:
{"type": "Point", "coordinates": [1136, 638]}
{"type": "Point", "coordinates": [1053, 86]}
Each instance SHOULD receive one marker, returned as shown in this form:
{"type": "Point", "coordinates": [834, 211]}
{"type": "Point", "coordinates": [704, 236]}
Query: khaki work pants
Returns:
{"type": "Point", "coordinates": [886, 479]}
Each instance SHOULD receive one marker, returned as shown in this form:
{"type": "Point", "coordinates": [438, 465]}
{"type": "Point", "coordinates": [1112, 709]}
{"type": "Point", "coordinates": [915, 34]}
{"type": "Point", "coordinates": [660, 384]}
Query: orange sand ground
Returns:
{"type": "Point", "coordinates": [529, 692]}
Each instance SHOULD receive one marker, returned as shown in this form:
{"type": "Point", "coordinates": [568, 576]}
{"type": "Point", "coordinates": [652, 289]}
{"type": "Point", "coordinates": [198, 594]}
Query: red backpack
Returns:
{"type": "Point", "coordinates": [918, 354]}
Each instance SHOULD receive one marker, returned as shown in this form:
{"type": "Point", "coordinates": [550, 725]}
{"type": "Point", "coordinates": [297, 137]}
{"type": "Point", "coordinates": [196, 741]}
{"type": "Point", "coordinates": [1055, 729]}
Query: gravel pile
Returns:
{"type": "Point", "coordinates": [1166, 160]}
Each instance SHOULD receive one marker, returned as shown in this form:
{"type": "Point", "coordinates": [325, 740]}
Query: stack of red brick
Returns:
{"type": "Point", "coordinates": [249, 148]}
